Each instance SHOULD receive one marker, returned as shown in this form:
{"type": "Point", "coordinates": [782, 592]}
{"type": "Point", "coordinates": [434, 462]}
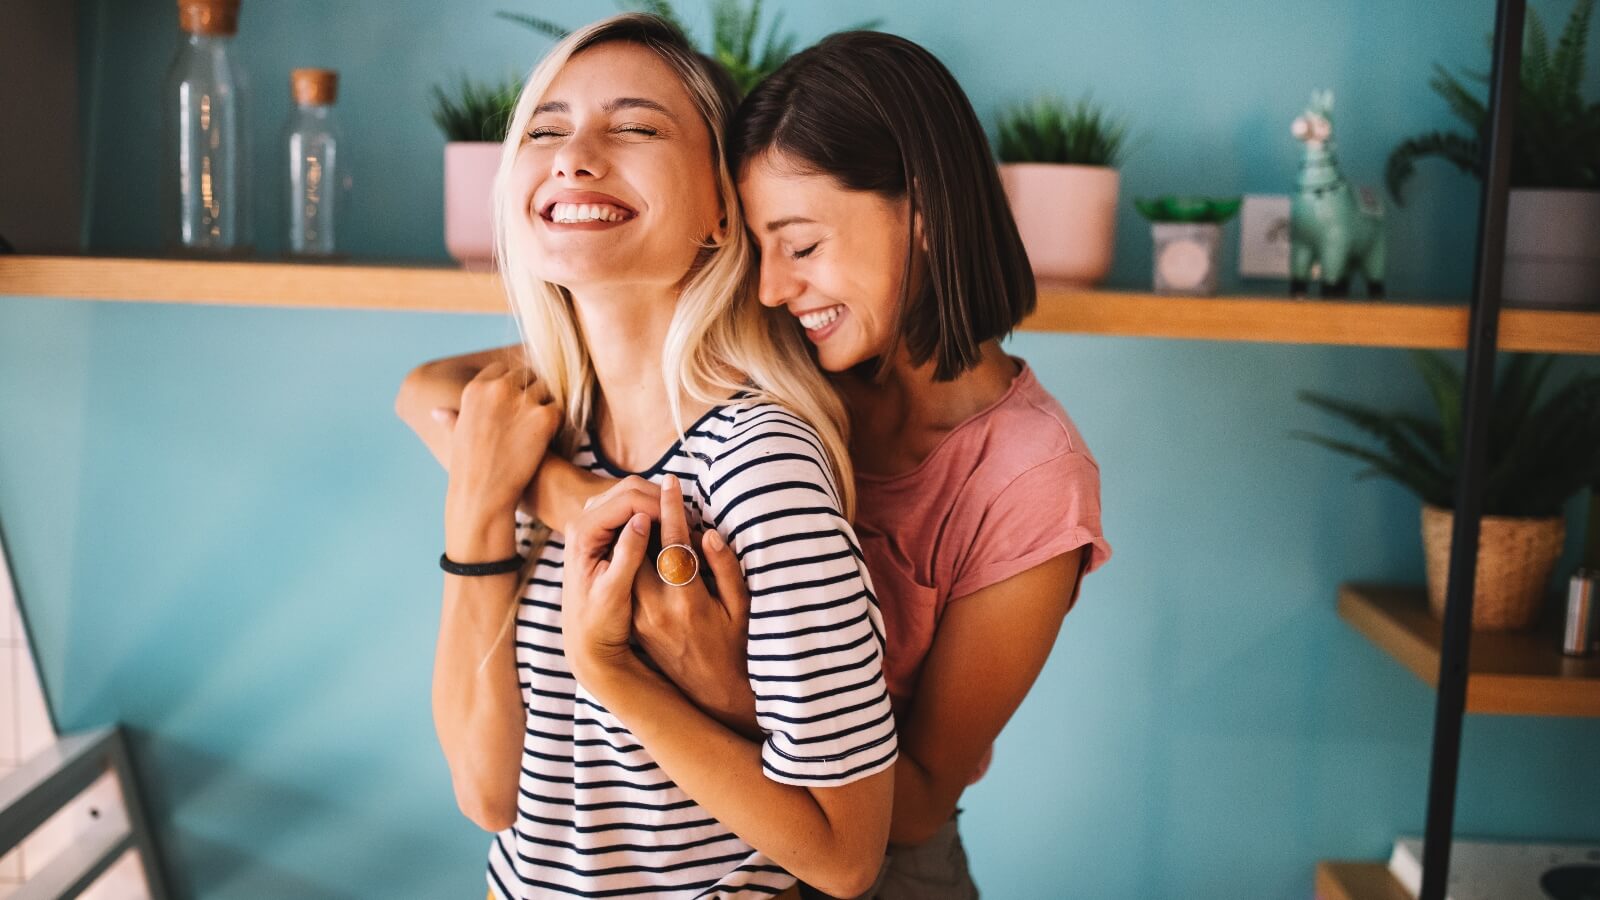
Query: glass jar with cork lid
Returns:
{"type": "Point", "coordinates": [205, 178]}
{"type": "Point", "coordinates": [314, 180]}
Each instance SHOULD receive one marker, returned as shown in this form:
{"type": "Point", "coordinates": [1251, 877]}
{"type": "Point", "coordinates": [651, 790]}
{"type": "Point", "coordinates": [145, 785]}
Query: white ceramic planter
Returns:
{"type": "Point", "coordinates": [469, 169]}
{"type": "Point", "coordinates": [1552, 248]}
{"type": "Point", "coordinates": [1067, 216]}
{"type": "Point", "coordinates": [1185, 257]}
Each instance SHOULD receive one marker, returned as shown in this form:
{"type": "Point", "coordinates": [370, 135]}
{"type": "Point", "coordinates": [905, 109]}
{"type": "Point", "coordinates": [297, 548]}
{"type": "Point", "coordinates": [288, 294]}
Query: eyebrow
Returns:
{"type": "Point", "coordinates": [777, 224]}
{"type": "Point", "coordinates": [610, 106]}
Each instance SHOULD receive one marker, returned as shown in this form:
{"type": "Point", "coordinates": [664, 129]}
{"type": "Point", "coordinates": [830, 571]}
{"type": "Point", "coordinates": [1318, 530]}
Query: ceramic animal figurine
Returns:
{"type": "Point", "coordinates": [1331, 233]}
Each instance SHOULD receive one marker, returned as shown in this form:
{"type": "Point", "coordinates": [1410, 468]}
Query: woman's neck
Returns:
{"type": "Point", "coordinates": [624, 329]}
{"type": "Point", "coordinates": [896, 423]}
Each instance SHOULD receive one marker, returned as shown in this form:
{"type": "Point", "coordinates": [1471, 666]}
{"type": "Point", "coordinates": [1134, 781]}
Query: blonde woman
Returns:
{"type": "Point", "coordinates": [645, 358]}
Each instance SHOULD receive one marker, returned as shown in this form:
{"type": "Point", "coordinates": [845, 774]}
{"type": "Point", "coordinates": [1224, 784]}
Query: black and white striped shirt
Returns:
{"type": "Point", "coordinates": [596, 817]}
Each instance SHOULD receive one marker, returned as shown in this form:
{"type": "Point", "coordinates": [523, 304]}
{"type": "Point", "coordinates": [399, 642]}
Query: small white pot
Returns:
{"type": "Point", "coordinates": [1067, 216]}
{"type": "Point", "coordinates": [1552, 248]}
{"type": "Point", "coordinates": [1185, 257]}
{"type": "Point", "coordinates": [469, 170]}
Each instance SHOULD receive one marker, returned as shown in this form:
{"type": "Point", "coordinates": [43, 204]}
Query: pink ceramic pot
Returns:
{"type": "Point", "coordinates": [469, 169]}
{"type": "Point", "coordinates": [1067, 216]}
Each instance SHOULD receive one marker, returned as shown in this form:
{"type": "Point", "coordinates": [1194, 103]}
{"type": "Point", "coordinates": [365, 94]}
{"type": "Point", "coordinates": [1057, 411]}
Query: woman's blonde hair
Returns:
{"type": "Point", "coordinates": [720, 340]}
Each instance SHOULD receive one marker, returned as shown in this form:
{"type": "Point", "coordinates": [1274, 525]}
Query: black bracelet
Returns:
{"type": "Point", "coordinates": [510, 564]}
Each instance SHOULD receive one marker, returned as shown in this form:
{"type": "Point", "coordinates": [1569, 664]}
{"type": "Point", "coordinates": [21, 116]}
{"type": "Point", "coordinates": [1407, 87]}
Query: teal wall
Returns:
{"type": "Point", "coordinates": [223, 537]}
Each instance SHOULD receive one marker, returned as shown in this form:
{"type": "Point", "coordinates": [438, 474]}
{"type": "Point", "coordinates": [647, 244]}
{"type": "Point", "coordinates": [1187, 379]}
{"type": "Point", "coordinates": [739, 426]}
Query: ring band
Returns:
{"type": "Point", "coordinates": [677, 564]}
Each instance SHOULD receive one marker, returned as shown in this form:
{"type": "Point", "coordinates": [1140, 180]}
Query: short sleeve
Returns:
{"type": "Point", "coordinates": [1049, 509]}
{"type": "Point", "coordinates": [815, 646]}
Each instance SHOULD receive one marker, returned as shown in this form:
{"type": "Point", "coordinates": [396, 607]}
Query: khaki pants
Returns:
{"type": "Point", "coordinates": [934, 870]}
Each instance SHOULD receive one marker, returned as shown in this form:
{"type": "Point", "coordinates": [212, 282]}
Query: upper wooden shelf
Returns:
{"type": "Point", "coordinates": [441, 288]}
{"type": "Point", "coordinates": [1511, 673]}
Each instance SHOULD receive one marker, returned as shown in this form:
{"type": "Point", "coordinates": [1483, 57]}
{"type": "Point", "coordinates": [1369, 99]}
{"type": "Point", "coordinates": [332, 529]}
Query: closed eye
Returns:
{"type": "Point", "coordinates": [802, 254]}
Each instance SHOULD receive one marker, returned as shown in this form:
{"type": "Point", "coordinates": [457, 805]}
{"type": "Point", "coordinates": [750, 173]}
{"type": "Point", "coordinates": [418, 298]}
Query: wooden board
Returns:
{"type": "Point", "coordinates": [1346, 880]}
{"type": "Point", "coordinates": [442, 288]}
{"type": "Point", "coordinates": [1510, 673]}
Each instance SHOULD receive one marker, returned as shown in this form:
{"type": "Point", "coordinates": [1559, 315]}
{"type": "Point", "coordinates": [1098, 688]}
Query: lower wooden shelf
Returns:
{"type": "Point", "coordinates": [1510, 673]}
{"type": "Point", "coordinates": [1357, 880]}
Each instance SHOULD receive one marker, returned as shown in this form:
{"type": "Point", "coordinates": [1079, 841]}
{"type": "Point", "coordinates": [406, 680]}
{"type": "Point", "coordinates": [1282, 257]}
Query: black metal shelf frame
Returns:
{"type": "Point", "coordinates": [1482, 339]}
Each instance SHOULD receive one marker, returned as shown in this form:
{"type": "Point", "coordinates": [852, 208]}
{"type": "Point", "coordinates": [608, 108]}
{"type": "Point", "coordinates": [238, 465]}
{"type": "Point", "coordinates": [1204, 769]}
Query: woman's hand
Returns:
{"type": "Point", "coordinates": [605, 549]}
{"type": "Point", "coordinates": [504, 427]}
{"type": "Point", "coordinates": [697, 638]}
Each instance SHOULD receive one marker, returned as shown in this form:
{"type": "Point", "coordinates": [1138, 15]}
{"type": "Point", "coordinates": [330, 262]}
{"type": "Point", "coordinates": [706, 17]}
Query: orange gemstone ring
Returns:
{"type": "Point", "coordinates": [677, 564]}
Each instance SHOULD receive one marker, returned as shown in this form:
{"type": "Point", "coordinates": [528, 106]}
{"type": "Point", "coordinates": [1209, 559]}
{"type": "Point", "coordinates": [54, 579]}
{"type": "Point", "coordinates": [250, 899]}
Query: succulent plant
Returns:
{"type": "Point", "coordinates": [1050, 131]}
{"type": "Point", "coordinates": [1188, 209]}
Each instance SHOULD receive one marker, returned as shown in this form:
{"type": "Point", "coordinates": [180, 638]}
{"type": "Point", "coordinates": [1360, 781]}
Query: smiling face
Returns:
{"type": "Point", "coordinates": [614, 176]}
{"type": "Point", "coordinates": [832, 257]}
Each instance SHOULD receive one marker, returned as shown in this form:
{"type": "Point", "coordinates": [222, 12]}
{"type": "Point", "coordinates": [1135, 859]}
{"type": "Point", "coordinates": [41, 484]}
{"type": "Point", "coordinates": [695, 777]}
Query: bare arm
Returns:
{"type": "Point", "coordinates": [558, 491]}
{"type": "Point", "coordinates": [967, 692]}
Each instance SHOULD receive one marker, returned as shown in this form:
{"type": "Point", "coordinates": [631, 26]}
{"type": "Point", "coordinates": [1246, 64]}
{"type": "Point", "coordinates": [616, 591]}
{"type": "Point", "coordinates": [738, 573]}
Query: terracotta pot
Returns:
{"type": "Point", "coordinates": [469, 169]}
{"type": "Point", "coordinates": [1067, 216]}
{"type": "Point", "coordinates": [1552, 248]}
{"type": "Point", "coordinates": [1515, 558]}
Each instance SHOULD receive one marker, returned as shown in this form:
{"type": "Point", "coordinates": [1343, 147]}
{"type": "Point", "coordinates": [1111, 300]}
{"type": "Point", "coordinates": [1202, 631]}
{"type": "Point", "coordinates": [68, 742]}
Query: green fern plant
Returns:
{"type": "Point", "coordinates": [1539, 453]}
{"type": "Point", "coordinates": [737, 39]}
{"type": "Point", "coordinates": [1556, 136]}
{"type": "Point", "coordinates": [476, 111]}
{"type": "Point", "coordinates": [1049, 131]}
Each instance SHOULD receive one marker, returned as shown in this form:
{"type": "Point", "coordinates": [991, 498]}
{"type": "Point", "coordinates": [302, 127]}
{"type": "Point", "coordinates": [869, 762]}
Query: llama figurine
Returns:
{"type": "Point", "coordinates": [1330, 233]}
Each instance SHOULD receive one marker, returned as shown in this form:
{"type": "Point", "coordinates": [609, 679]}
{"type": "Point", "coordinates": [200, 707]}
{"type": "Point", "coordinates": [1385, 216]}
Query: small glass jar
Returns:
{"type": "Point", "coordinates": [205, 177]}
{"type": "Point", "coordinates": [314, 180]}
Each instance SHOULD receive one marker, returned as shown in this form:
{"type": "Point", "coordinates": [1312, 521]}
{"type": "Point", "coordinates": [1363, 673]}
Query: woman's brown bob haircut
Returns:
{"type": "Point", "coordinates": [878, 113]}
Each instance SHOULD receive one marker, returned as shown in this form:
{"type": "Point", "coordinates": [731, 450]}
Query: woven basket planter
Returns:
{"type": "Point", "coordinates": [1515, 558]}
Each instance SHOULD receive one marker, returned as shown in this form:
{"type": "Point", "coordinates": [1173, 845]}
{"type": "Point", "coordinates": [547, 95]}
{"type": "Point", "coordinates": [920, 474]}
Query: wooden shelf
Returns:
{"type": "Point", "coordinates": [1345, 880]}
{"type": "Point", "coordinates": [442, 288]}
{"type": "Point", "coordinates": [1522, 673]}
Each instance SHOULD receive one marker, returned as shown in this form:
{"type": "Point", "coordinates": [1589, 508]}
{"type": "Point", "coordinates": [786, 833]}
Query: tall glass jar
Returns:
{"type": "Point", "coordinates": [206, 182]}
{"type": "Point", "coordinates": [314, 176]}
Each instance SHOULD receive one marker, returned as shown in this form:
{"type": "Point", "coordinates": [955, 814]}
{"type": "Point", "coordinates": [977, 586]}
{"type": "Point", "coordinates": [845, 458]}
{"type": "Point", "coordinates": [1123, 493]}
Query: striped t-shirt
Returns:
{"type": "Point", "coordinates": [596, 817]}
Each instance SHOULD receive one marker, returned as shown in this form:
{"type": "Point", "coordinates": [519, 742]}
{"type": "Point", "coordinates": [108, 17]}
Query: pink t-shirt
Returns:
{"type": "Point", "coordinates": [1004, 491]}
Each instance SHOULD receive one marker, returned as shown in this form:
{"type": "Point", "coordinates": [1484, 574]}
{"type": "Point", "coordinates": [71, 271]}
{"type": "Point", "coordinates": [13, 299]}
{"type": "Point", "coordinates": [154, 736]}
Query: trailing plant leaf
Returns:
{"type": "Point", "coordinates": [1539, 453]}
{"type": "Point", "coordinates": [543, 26]}
{"type": "Point", "coordinates": [1555, 139]}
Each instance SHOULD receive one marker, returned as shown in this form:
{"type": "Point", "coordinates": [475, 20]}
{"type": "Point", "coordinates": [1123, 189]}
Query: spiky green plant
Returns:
{"type": "Point", "coordinates": [1188, 209]}
{"type": "Point", "coordinates": [1555, 141]}
{"type": "Point", "coordinates": [1049, 131]}
{"type": "Point", "coordinates": [737, 40]}
{"type": "Point", "coordinates": [1539, 453]}
{"type": "Point", "coordinates": [476, 111]}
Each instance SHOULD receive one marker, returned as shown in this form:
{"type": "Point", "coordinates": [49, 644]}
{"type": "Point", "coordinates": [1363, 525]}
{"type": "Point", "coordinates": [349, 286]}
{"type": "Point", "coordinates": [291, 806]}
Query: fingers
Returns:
{"type": "Point", "coordinates": [628, 552]}
{"type": "Point", "coordinates": [724, 563]}
{"type": "Point", "coordinates": [674, 521]}
{"type": "Point", "coordinates": [591, 536]}
{"type": "Point", "coordinates": [634, 484]}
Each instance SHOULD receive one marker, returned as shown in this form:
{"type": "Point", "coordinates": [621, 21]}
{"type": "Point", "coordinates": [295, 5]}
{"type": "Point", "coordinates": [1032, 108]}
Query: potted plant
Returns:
{"type": "Point", "coordinates": [1187, 234]}
{"type": "Point", "coordinates": [1058, 165]}
{"type": "Point", "coordinates": [1553, 219]}
{"type": "Point", "coordinates": [474, 120]}
{"type": "Point", "coordinates": [1540, 454]}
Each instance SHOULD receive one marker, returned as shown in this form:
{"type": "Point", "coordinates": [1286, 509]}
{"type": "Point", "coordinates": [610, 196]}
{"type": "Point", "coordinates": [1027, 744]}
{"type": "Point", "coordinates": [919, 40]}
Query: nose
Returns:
{"type": "Point", "coordinates": [578, 157]}
{"type": "Point", "coordinates": [778, 283]}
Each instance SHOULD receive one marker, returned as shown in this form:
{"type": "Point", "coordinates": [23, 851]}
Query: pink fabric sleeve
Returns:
{"type": "Point", "coordinates": [1051, 509]}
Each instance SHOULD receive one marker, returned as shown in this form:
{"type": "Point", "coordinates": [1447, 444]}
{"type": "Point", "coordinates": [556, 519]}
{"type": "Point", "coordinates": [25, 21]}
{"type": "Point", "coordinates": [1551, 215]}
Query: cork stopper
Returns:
{"type": "Point", "coordinates": [218, 17]}
{"type": "Point", "coordinates": [314, 87]}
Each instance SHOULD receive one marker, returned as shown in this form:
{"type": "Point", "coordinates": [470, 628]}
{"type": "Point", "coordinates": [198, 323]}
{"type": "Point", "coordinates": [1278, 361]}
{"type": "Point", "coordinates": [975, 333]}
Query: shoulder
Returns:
{"type": "Point", "coordinates": [1028, 436]}
{"type": "Point", "coordinates": [753, 447]}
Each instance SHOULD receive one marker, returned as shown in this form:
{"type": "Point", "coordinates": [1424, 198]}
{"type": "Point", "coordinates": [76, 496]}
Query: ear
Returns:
{"type": "Point", "coordinates": [917, 232]}
{"type": "Point", "coordinates": [720, 233]}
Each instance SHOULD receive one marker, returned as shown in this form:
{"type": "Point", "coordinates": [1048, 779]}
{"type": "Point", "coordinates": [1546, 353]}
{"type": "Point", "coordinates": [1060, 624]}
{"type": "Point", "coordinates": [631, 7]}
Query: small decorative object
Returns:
{"type": "Point", "coordinates": [734, 27]}
{"type": "Point", "coordinates": [316, 177]}
{"type": "Point", "coordinates": [205, 175]}
{"type": "Point", "coordinates": [1553, 214]}
{"type": "Point", "coordinates": [1187, 232]}
{"type": "Point", "coordinates": [1058, 167]}
{"type": "Point", "coordinates": [1583, 590]}
{"type": "Point", "coordinates": [1539, 455]}
{"type": "Point", "coordinates": [474, 122]}
{"type": "Point", "coordinates": [1331, 234]}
